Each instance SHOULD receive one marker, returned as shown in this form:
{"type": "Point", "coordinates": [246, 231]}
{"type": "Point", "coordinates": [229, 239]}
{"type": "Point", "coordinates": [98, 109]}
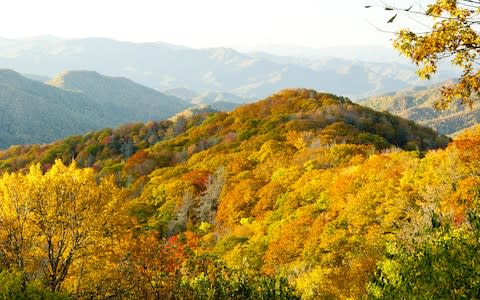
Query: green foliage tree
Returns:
{"type": "Point", "coordinates": [13, 286]}
{"type": "Point", "coordinates": [441, 263]}
{"type": "Point", "coordinates": [220, 282]}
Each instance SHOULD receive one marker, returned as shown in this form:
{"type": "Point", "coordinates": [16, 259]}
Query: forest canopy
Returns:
{"type": "Point", "coordinates": [303, 194]}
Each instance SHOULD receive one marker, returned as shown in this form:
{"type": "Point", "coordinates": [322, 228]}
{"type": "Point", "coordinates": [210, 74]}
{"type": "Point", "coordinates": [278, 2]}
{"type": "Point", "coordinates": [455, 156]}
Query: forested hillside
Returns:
{"type": "Point", "coordinates": [34, 112]}
{"type": "Point", "coordinates": [303, 194]}
{"type": "Point", "coordinates": [418, 104]}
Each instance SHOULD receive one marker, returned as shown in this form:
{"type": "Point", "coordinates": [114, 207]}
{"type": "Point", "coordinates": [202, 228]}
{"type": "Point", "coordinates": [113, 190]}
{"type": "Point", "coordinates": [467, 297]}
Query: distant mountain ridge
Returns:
{"type": "Point", "coordinates": [359, 53]}
{"type": "Point", "coordinates": [163, 66]}
{"type": "Point", "coordinates": [205, 97]}
{"type": "Point", "coordinates": [73, 103]}
{"type": "Point", "coordinates": [417, 104]}
{"type": "Point", "coordinates": [217, 100]}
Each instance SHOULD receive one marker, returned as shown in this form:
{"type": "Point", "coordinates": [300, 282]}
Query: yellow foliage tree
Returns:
{"type": "Point", "coordinates": [51, 221]}
{"type": "Point", "coordinates": [453, 34]}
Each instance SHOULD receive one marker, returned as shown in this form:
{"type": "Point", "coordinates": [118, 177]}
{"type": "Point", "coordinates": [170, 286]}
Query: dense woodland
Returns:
{"type": "Point", "coordinates": [301, 195]}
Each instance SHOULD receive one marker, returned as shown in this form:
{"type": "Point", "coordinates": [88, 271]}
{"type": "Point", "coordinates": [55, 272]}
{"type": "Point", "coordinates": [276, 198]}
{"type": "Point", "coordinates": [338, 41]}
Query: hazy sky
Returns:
{"type": "Point", "coordinates": [204, 23]}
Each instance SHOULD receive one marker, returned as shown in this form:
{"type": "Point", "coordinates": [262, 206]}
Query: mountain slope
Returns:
{"type": "Point", "coordinates": [34, 112]}
{"type": "Point", "coordinates": [418, 104]}
{"type": "Point", "coordinates": [125, 100]}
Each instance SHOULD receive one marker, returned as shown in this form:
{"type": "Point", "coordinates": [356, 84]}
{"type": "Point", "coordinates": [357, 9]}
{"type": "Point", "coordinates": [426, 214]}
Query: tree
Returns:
{"type": "Point", "coordinates": [453, 34]}
{"type": "Point", "coordinates": [51, 221]}
{"type": "Point", "coordinates": [442, 263]}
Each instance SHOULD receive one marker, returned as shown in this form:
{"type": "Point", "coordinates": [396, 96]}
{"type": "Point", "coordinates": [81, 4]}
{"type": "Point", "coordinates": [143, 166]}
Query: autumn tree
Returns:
{"type": "Point", "coordinates": [453, 35]}
{"type": "Point", "coordinates": [51, 221]}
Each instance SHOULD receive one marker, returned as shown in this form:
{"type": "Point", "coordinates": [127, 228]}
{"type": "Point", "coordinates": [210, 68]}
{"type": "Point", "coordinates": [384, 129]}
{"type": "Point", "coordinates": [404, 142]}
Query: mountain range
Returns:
{"type": "Point", "coordinates": [221, 78]}
{"type": "Point", "coordinates": [110, 188]}
{"type": "Point", "coordinates": [75, 102]}
{"type": "Point", "coordinates": [164, 66]}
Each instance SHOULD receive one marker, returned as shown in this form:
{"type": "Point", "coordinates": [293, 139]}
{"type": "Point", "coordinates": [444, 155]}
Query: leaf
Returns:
{"type": "Point", "coordinates": [408, 9]}
{"type": "Point", "coordinates": [388, 8]}
{"type": "Point", "coordinates": [392, 18]}
{"type": "Point", "coordinates": [368, 6]}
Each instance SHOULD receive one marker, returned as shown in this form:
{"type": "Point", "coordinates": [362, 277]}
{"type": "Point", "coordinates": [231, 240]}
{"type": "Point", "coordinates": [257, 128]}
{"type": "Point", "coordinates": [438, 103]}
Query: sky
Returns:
{"type": "Point", "coordinates": [206, 23]}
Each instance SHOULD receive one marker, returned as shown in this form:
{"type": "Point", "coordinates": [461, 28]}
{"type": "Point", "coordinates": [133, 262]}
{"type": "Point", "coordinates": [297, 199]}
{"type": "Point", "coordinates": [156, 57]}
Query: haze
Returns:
{"type": "Point", "coordinates": [208, 23]}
